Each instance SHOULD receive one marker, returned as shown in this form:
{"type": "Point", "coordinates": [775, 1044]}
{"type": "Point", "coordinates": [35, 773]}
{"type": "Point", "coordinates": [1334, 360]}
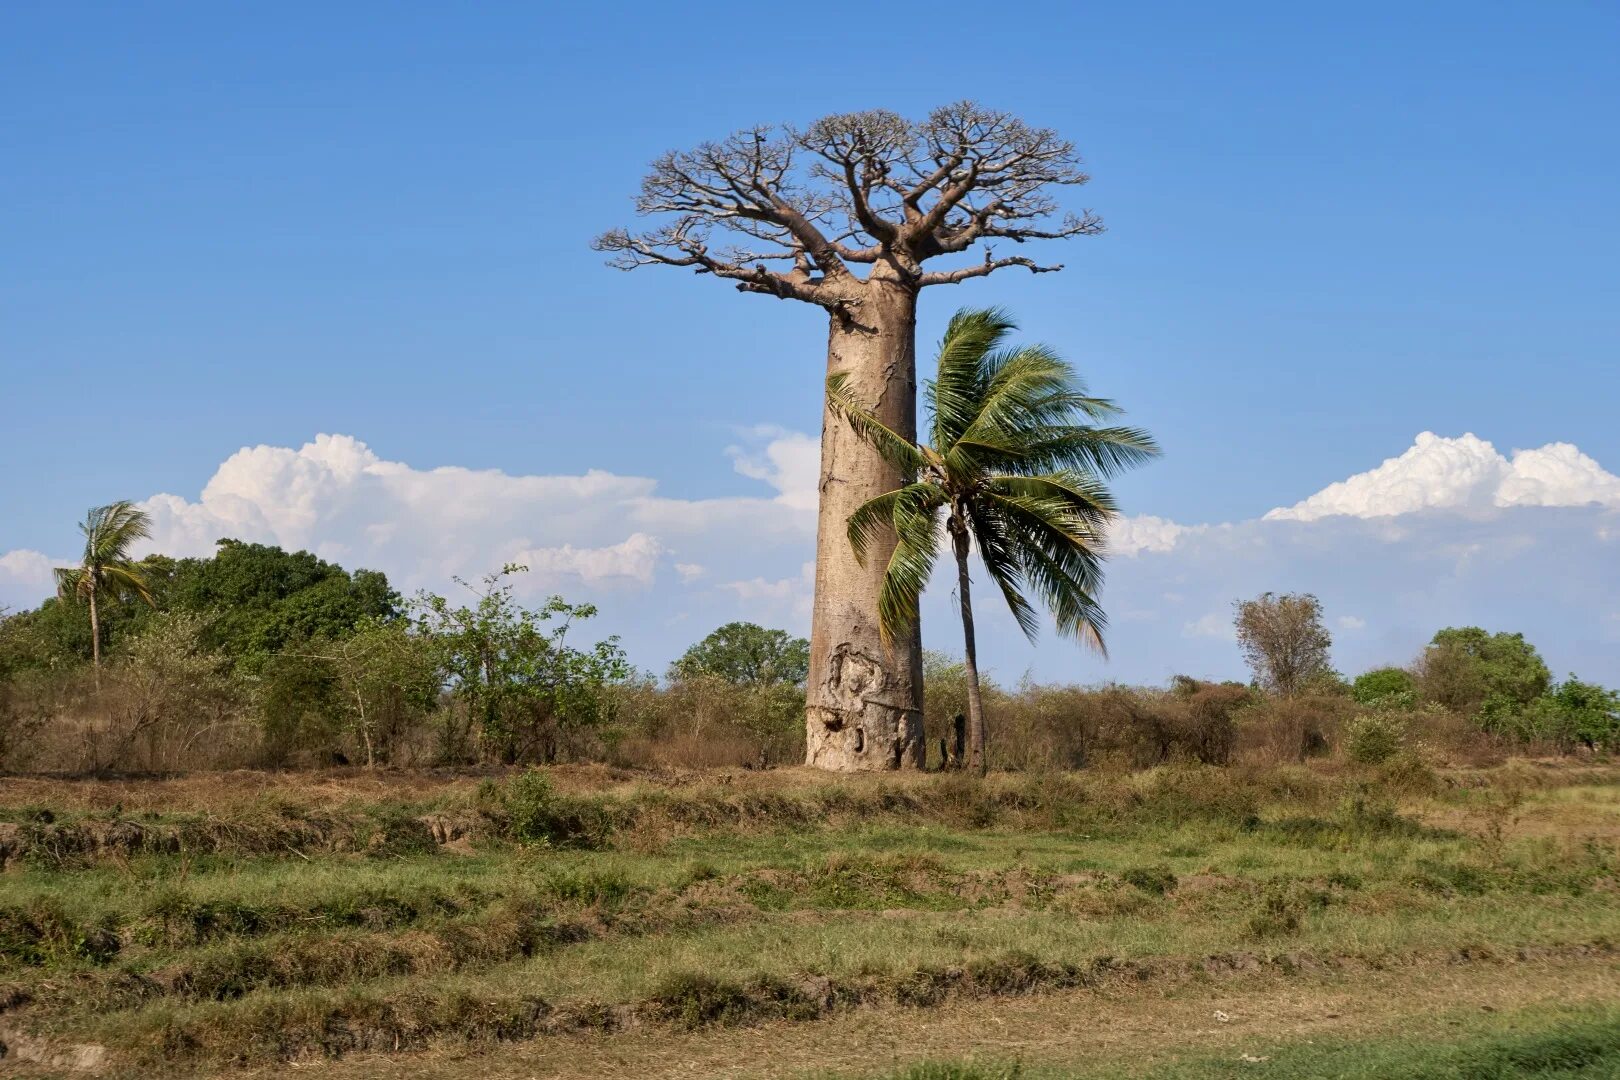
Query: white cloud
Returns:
{"type": "Point", "coordinates": [633, 561]}
{"type": "Point", "coordinates": [789, 461]}
{"type": "Point", "coordinates": [1448, 533]}
{"type": "Point", "coordinates": [27, 567]}
{"type": "Point", "coordinates": [778, 596]}
{"type": "Point", "coordinates": [339, 498]}
{"type": "Point", "coordinates": [1134, 535]}
{"type": "Point", "coordinates": [1216, 624]}
{"type": "Point", "coordinates": [1464, 473]}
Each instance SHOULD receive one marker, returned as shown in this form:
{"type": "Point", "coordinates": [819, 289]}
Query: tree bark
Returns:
{"type": "Point", "coordinates": [95, 640]}
{"type": "Point", "coordinates": [970, 652]}
{"type": "Point", "coordinates": [863, 700]}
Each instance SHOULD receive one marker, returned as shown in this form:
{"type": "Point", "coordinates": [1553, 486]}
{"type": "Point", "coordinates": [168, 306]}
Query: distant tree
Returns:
{"type": "Point", "coordinates": [382, 675]}
{"type": "Point", "coordinates": [262, 599]}
{"type": "Point", "coordinates": [1014, 470]}
{"type": "Point", "coordinates": [1283, 641]}
{"type": "Point", "coordinates": [1477, 673]}
{"type": "Point", "coordinates": [1385, 685]}
{"type": "Point", "coordinates": [746, 654]}
{"type": "Point", "coordinates": [1589, 713]}
{"type": "Point", "coordinates": [513, 671]}
{"type": "Point", "coordinates": [173, 692]}
{"type": "Point", "coordinates": [106, 570]}
{"type": "Point", "coordinates": [857, 214]}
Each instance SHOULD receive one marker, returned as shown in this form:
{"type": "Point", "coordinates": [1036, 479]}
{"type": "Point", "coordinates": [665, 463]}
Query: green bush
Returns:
{"type": "Point", "coordinates": [530, 811]}
{"type": "Point", "coordinates": [1390, 686]}
{"type": "Point", "coordinates": [1375, 737]}
{"type": "Point", "coordinates": [1157, 878]}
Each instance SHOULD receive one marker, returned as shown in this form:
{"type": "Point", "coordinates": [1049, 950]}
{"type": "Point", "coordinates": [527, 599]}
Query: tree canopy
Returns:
{"type": "Point", "coordinates": [1283, 641]}
{"type": "Point", "coordinates": [746, 654]}
{"type": "Point", "coordinates": [793, 213]}
{"type": "Point", "coordinates": [1466, 667]}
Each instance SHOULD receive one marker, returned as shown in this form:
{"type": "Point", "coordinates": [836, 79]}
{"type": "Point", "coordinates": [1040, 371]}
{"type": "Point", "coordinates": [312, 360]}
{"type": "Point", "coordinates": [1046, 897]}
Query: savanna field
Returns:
{"type": "Point", "coordinates": [1268, 725]}
{"type": "Point", "coordinates": [1296, 920]}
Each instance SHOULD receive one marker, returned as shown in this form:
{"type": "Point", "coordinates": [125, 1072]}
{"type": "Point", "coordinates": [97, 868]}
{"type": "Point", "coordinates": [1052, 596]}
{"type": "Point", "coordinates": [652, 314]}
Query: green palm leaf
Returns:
{"type": "Point", "coordinates": [106, 569]}
{"type": "Point", "coordinates": [1018, 467]}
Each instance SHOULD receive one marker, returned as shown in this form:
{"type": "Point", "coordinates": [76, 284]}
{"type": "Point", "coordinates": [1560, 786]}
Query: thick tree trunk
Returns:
{"type": "Point", "coordinates": [970, 652]}
{"type": "Point", "coordinates": [863, 702]}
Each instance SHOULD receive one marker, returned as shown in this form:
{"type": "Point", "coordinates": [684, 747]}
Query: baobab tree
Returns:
{"type": "Point", "coordinates": [849, 214]}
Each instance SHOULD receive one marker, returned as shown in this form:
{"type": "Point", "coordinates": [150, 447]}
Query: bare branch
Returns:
{"type": "Point", "coordinates": [683, 245]}
{"type": "Point", "coordinates": [855, 189]}
{"type": "Point", "coordinates": [978, 270]}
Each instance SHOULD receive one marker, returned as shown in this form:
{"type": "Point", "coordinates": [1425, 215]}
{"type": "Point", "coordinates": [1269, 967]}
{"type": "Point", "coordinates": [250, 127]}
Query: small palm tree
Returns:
{"type": "Point", "coordinates": [1014, 468]}
{"type": "Point", "coordinates": [109, 532]}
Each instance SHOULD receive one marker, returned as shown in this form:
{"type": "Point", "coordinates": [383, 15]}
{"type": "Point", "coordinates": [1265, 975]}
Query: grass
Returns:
{"type": "Point", "coordinates": [600, 902]}
{"type": "Point", "coordinates": [1547, 1045]}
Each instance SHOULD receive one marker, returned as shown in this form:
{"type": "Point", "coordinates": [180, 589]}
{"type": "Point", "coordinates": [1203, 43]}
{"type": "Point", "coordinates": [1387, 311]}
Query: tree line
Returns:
{"type": "Point", "coordinates": [257, 655]}
{"type": "Point", "coordinates": [290, 658]}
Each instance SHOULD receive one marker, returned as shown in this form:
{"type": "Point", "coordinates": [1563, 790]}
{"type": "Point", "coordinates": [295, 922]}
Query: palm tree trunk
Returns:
{"type": "Point", "coordinates": [95, 640]}
{"type": "Point", "coordinates": [970, 659]}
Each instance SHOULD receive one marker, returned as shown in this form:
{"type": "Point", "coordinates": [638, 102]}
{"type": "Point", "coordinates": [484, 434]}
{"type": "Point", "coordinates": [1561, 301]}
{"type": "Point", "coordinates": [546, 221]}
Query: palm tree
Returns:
{"type": "Point", "coordinates": [1016, 469]}
{"type": "Point", "coordinates": [109, 532]}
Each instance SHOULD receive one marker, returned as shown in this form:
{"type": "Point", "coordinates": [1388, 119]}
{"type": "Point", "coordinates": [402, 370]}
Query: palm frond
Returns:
{"type": "Point", "coordinates": [1103, 451]}
{"type": "Point", "coordinates": [876, 516]}
{"type": "Point", "coordinates": [1073, 604]}
{"type": "Point", "coordinates": [1023, 387]}
{"type": "Point", "coordinates": [893, 447]}
{"type": "Point", "coordinates": [124, 580]}
{"type": "Point", "coordinates": [70, 581]}
{"type": "Point", "coordinates": [111, 530]}
{"type": "Point", "coordinates": [954, 394]}
{"type": "Point", "coordinates": [1079, 501]}
{"type": "Point", "coordinates": [915, 519]}
{"type": "Point", "coordinates": [1061, 553]}
{"type": "Point", "coordinates": [998, 550]}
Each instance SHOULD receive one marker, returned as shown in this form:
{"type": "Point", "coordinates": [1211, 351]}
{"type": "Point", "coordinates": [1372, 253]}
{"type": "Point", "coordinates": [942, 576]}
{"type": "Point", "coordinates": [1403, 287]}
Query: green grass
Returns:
{"type": "Point", "coordinates": [1535, 1045]}
{"type": "Point", "coordinates": [714, 907]}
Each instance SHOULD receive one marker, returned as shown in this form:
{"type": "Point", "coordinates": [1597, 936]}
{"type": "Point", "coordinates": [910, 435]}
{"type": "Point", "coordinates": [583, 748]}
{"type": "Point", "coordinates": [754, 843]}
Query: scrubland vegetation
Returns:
{"type": "Point", "coordinates": [362, 917]}
{"type": "Point", "coordinates": [305, 819]}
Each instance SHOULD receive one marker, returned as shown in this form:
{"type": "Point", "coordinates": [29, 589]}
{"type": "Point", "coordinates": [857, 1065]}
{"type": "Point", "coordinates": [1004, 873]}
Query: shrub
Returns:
{"type": "Point", "coordinates": [1158, 878]}
{"type": "Point", "coordinates": [1282, 907]}
{"type": "Point", "coordinates": [529, 811]}
{"type": "Point", "coordinates": [1293, 729]}
{"type": "Point", "coordinates": [1375, 737]}
{"type": "Point", "coordinates": [1385, 686]}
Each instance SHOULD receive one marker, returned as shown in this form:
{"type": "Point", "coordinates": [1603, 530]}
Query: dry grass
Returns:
{"type": "Point", "coordinates": [640, 901]}
{"type": "Point", "coordinates": [1126, 1028]}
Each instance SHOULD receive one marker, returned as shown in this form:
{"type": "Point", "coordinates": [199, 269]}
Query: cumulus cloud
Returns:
{"type": "Point", "coordinates": [778, 596]}
{"type": "Point", "coordinates": [1464, 473]}
{"type": "Point", "coordinates": [1134, 535]}
{"type": "Point", "coordinates": [26, 567]}
{"type": "Point", "coordinates": [1214, 624]}
{"type": "Point", "coordinates": [633, 561]}
{"type": "Point", "coordinates": [337, 497]}
{"type": "Point", "coordinates": [1449, 532]}
{"type": "Point", "coordinates": [789, 461]}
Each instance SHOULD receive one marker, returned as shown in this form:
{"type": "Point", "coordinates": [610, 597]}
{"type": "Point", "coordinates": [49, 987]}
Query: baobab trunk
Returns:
{"type": "Point", "coordinates": [863, 699]}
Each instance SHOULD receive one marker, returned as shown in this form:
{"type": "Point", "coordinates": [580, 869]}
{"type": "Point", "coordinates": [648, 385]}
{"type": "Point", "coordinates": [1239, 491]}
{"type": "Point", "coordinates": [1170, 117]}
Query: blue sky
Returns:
{"type": "Point", "coordinates": [1328, 232]}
